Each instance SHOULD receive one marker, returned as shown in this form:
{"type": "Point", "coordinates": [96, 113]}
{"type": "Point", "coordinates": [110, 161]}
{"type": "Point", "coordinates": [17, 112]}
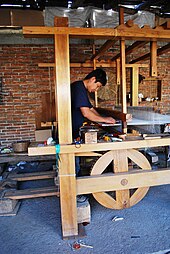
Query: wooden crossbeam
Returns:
{"type": "Point", "coordinates": [104, 48]}
{"type": "Point", "coordinates": [32, 193]}
{"type": "Point", "coordinates": [160, 51]}
{"type": "Point", "coordinates": [123, 31]}
{"type": "Point", "coordinates": [113, 182]}
{"type": "Point", "coordinates": [32, 151]}
{"type": "Point", "coordinates": [131, 48]}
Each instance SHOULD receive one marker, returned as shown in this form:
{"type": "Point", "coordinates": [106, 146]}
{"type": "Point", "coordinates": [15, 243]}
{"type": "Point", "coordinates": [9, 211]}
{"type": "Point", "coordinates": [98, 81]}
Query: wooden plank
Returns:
{"type": "Point", "coordinates": [153, 58]}
{"type": "Point", "coordinates": [113, 182]}
{"type": "Point", "coordinates": [32, 176]}
{"type": "Point", "coordinates": [32, 193]}
{"type": "Point", "coordinates": [131, 33]}
{"type": "Point", "coordinates": [83, 148]}
{"type": "Point", "coordinates": [113, 113]}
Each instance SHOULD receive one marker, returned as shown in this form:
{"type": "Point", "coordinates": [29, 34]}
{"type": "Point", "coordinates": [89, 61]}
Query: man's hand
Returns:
{"type": "Point", "coordinates": [109, 120]}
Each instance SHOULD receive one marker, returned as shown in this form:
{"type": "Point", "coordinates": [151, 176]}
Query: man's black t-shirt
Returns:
{"type": "Point", "coordinates": [79, 98]}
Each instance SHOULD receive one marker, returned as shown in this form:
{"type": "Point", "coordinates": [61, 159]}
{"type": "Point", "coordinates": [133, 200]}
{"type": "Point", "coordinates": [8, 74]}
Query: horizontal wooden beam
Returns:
{"type": "Point", "coordinates": [32, 193]}
{"type": "Point", "coordinates": [84, 65]}
{"type": "Point", "coordinates": [114, 182]}
{"type": "Point", "coordinates": [32, 176]}
{"type": "Point", "coordinates": [91, 64]}
{"type": "Point", "coordinates": [82, 148]}
{"type": "Point", "coordinates": [160, 51]}
{"type": "Point", "coordinates": [129, 33]}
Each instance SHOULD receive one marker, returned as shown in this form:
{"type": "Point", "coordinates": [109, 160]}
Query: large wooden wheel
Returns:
{"type": "Point", "coordinates": [123, 198]}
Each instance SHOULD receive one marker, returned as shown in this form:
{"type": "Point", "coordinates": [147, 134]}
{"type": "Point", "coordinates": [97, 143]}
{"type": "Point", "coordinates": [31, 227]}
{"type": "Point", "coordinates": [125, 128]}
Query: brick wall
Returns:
{"type": "Point", "coordinates": [24, 85]}
{"type": "Point", "coordinates": [22, 88]}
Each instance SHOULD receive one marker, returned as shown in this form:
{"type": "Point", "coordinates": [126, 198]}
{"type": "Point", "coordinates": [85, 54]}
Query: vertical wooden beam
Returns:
{"type": "Point", "coordinates": [118, 81]}
{"type": "Point", "coordinates": [123, 70]}
{"type": "Point", "coordinates": [67, 165]}
{"type": "Point", "coordinates": [121, 16]}
{"type": "Point", "coordinates": [94, 67]}
{"type": "Point", "coordinates": [135, 85]}
{"type": "Point", "coordinates": [121, 165]}
{"type": "Point", "coordinates": [153, 59]}
{"type": "Point", "coordinates": [123, 80]}
{"type": "Point", "coordinates": [68, 195]}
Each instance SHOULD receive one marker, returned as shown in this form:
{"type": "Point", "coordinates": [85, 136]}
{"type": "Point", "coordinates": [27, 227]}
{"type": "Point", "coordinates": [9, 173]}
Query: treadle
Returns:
{"type": "Point", "coordinates": [32, 193]}
{"type": "Point", "coordinates": [32, 176]}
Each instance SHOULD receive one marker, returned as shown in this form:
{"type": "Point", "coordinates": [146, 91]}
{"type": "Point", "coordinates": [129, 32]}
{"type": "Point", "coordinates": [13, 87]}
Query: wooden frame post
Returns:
{"type": "Point", "coordinates": [153, 59]}
{"type": "Point", "coordinates": [135, 85]}
{"type": "Point", "coordinates": [67, 165]}
{"type": "Point", "coordinates": [123, 80]}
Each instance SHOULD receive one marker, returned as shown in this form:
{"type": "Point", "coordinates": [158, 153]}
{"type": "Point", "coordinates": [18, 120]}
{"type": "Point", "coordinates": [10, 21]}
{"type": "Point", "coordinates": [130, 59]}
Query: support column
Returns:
{"type": "Point", "coordinates": [67, 164]}
{"type": "Point", "coordinates": [135, 85]}
{"type": "Point", "coordinates": [153, 59]}
{"type": "Point", "coordinates": [123, 81]}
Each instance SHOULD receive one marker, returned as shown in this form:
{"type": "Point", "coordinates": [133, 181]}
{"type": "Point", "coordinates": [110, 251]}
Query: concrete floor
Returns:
{"type": "Point", "coordinates": [36, 229]}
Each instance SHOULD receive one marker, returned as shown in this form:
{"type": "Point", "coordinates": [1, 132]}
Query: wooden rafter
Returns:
{"type": "Point", "coordinates": [160, 51]}
{"type": "Point", "coordinates": [104, 48]}
{"type": "Point", "coordinates": [131, 48]}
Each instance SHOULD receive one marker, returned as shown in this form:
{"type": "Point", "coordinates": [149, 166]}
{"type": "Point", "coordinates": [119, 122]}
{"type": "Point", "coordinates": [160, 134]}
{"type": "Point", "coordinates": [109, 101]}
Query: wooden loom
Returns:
{"type": "Point", "coordinates": [123, 180]}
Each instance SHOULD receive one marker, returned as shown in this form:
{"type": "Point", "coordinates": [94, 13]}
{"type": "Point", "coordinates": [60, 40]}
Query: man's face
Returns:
{"type": "Point", "coordinates": [93, 86]}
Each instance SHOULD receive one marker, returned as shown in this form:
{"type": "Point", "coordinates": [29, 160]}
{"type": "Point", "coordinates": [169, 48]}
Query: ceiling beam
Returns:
{"type": "Point", "coordinates": [122, 31]}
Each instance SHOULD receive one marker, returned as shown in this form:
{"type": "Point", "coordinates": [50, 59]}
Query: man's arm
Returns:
{"type": "Point", "coordinates": [92, 115]}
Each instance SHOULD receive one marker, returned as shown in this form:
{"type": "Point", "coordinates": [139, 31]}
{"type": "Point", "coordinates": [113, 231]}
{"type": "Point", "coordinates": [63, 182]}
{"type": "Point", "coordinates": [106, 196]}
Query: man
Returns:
{"type": "Point", "coordinates": [81, 106]}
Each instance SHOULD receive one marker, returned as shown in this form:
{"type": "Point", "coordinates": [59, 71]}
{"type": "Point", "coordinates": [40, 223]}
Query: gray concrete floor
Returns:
{"type": "Point", "coordinates": [36, 228]}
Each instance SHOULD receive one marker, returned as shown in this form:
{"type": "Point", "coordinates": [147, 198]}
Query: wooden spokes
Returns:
{"type": "Point", "coordinates": [123, 198]}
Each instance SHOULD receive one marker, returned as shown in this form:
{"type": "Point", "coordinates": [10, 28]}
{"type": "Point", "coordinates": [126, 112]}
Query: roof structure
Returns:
{"type": "Point", "coordinates": [159, 7]}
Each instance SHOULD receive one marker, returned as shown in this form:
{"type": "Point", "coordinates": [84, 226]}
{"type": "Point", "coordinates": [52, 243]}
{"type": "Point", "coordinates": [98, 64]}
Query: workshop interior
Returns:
{"type": "Point", "coordinates": [47, 45]}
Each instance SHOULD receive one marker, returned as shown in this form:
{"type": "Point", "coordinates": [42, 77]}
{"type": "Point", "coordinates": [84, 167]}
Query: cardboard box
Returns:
{"type": "Point", "coordinates": [42, 135]}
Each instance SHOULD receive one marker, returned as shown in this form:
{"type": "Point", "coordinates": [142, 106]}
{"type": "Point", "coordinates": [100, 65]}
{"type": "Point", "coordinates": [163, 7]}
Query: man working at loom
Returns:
{"type": "Point", "coordinates": [81, 106]}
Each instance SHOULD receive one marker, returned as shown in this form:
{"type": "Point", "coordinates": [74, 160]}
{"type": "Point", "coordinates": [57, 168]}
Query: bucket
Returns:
{"type": "Point", "coordinates": [20, 146]}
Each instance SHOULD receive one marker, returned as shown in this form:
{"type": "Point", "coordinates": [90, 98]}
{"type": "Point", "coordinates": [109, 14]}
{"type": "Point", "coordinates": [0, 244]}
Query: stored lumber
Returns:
{"type": "Point", "coordinates": [32, 193]}
{"type": "Point", "coordinates": [32, 176]}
